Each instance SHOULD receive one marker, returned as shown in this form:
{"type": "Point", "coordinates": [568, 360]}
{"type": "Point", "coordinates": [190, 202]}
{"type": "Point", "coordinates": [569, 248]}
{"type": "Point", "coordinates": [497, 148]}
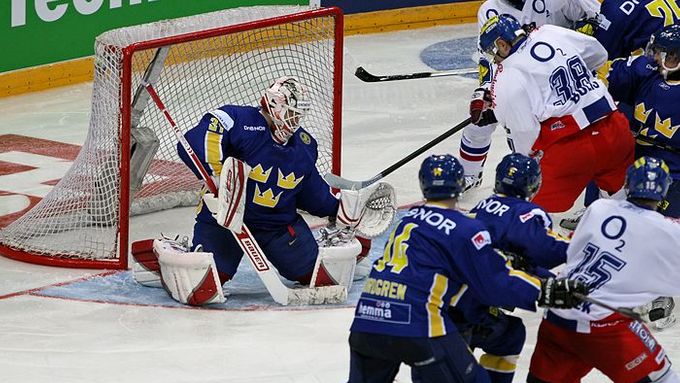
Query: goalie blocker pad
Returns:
{"type": "Point", "coordinates": [335, 265]}
{"type": "Point", "coordinates": [229, 205]}
{"type": "Point", "coordinates": [189, 277]}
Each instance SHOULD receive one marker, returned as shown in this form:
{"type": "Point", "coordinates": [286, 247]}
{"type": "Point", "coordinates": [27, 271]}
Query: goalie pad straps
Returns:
{"type": "Point", "coordinates": [370, 210]}
{"type": "Point", "coordinates": [189, 277]}
{"type": "Point", "coordinates": [229, 206]}
{"type": "Point", "coordinates": [335, 265]}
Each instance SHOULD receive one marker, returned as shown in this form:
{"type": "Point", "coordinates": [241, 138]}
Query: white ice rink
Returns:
{"type": "Point", "coordinates": [48, 339]}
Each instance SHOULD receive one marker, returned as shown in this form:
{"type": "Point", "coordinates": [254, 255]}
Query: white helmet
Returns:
{"type": "Point", "coordinates": [287, 102]}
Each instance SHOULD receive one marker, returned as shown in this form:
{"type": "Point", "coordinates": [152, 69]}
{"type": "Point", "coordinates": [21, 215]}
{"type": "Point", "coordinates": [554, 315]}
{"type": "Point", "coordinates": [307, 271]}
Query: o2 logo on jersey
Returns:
{"type": "Point", "coordinates": [571, 82]}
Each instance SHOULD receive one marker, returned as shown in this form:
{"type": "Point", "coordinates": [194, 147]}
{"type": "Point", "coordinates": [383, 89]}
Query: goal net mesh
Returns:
{"type": "Point", "coordinates": [226, 57]}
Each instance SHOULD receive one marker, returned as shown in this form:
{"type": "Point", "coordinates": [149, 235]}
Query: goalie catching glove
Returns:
{"type": "Point", "coordinates": [370, 211]}
{"type": "Point", "coordinates": [229, 205]}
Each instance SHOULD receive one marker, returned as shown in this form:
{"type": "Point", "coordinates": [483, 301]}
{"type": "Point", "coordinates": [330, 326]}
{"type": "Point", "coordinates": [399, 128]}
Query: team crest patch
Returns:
{"type": "Point", "coordinates": [481, 239]}
{"type": "Point", "coordinates": [557, 125]}
{"type": "Point", "coordinates": [305, 138]}
{"type": "Point", "coordinates": [525, 217]}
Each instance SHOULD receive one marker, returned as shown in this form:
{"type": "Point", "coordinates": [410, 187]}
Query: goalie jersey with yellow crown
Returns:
{"type": "Point", "coordinates": [283, 178]}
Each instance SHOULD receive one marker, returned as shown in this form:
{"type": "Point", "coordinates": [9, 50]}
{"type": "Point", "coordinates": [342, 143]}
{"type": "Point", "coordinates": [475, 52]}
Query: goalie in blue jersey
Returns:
{"type": "Point", "coordinates": [264, 163]}
{"type": "Point", "coordinates": [436, 257]}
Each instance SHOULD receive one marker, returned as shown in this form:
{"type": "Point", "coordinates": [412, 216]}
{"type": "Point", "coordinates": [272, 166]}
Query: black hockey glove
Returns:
{"type": "Point", "coordinates": [480, 108]}
{"type": "Point", "coordinates": [559, 293]}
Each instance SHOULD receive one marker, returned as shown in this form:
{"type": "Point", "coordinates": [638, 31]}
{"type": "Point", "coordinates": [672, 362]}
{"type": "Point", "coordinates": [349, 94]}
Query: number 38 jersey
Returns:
{"type": "Point", "coordinates": [432, 258]}
{"type": "Point", "coordinates": [545, 89]}
{"type": "Point", "coordinates": [627, 255]}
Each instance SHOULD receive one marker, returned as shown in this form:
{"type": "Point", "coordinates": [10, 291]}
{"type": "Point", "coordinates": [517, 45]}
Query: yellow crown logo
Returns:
{"type": "Point", "coordinates": [289, 181]}
{"type": "Point", "coordinates": [260, 175]}
{"type": "Point", "coordinates": [267, 198]}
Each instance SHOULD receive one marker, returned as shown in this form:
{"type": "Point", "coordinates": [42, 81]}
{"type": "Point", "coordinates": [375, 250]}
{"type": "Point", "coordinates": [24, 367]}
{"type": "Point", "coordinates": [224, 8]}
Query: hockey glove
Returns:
{"type": "Point", "coordinates": [559, 293]}
{"type": "Point", "coordinates": [480, 108]}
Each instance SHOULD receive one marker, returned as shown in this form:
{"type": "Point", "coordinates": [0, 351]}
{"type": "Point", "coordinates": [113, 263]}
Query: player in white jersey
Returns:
{"type": "Point", "coordinates": [613, 253]}
{"type": "Point", "coordinates": [476, 138]}
{"type": "Point", "coordinates": [553, 108]}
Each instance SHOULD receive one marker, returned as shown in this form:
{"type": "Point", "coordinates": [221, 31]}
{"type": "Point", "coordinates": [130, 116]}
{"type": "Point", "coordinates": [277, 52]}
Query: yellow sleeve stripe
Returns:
{"type": "Point", "coordinates": [213, 151]}
{"type": "Point", "coordinates": [521, 274]}
{"type": "Point", "coordinates": [507, 364]}
{"type": "Point", "coordinates": [456, 298]}
{"type": "Point", "coordinates": [526, 278]}
{"type": "Point", "coordinates": [435, 302]}
{"type": "Point", "coordinates": [557, 236]}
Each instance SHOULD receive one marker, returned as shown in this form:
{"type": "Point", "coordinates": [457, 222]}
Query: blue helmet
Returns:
{"type": "Point", "coordinates": [504, 27]}
{"type": "Point", "coordinates": [648, 178]}
{"type": "Point", "coordinates": [441, 177]}
{"type": "Point", "coordinates": [665, 42]}
{"type": "Point", "coordinates": [518, 176]}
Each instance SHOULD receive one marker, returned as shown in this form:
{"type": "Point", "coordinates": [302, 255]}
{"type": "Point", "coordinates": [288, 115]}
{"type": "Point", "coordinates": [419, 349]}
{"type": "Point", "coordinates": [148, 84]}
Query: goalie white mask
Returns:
{"type": "Point", "coordinates": [287, 103]}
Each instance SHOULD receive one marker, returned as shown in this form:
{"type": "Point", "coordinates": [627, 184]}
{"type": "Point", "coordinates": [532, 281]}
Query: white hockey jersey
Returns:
{"type": "Point", "coordinates": [546, 86]}
{"type": "Point", "coordinates": [556, 12]}
{"type": "Point", "coordinates": [626, 254]}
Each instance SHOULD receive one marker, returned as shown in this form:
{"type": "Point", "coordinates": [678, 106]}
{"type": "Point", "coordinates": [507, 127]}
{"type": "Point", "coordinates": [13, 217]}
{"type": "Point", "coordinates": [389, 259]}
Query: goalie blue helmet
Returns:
{"type": "Point", "coordinates": [648, 178]}
{"type": "Point", "coordinates": [518, 176]}
{"type": "Point", "coordinates": [503, 27]}
{"type": "Point", "coordinates": [441, 177]}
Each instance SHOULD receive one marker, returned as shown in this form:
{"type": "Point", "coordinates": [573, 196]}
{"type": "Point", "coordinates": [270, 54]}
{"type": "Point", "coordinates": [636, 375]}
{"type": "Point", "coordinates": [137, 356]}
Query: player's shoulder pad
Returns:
{"type": "Point", "coordinates": [307, 142]}
{"type": "Point", "coordinates": [642, 65]}
{"type": "Point", "coordinates": [528, 211]}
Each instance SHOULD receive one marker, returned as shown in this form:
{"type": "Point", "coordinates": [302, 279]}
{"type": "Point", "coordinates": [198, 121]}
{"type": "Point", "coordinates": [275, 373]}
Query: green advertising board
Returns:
{"type": "Point", "coordinates": [37, 32]}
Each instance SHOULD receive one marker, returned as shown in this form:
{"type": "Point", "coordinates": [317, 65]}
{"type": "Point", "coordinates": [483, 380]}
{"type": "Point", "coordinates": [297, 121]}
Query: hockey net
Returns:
{"type": "Point", "coordinates": [129, 165]}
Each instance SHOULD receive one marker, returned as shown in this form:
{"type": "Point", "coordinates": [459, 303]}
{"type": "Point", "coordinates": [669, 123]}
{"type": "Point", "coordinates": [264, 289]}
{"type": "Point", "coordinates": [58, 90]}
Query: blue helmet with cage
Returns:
{"type": "Point", "coordinates": [441, 177]}
{"type": "Point", "coordinates": [648, 178]}
{"type": "Point", "coordinates": [518, 176]}
{"type": "Point", "coordinates": [504, 27]}
{"type": "Point", "coordinates": [666, 43]}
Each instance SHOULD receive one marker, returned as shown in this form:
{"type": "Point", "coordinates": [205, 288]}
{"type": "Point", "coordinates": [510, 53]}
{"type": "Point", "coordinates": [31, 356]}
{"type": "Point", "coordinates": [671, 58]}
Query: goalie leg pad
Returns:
{"type": "Point", "coordinates": [335, 265]}
{"type": "Point", "coordinates": [145, 270]}
{"type": "Point", "coordinates": [189, 277]}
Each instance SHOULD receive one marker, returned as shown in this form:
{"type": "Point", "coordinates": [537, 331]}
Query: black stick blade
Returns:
{"type": "Point", "coordinates": [363, 75]}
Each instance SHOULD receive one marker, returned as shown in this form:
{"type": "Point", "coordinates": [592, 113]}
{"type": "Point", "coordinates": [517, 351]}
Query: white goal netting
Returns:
{"type": "Point", "coordinates": [196, 64]}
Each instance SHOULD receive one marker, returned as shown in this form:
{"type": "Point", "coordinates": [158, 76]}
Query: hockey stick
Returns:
{"type": "Point", "coordinates": [661, 145]}
{"type": "Point", "coordinates": [281, 294]}
{"type": "Point", "coordinates": [626, 312]}
{"type": "Point", "coordinates": [343, 183]}
{"type": "Point", "coordinates": [363, 75]}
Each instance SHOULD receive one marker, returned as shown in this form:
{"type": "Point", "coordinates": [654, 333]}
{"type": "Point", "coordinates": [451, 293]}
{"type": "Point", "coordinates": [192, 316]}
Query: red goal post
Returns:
{"type": "Point", "coordinates": [128, 164]}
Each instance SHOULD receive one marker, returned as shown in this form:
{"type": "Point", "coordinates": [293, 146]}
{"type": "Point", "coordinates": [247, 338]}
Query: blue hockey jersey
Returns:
{"type": "Point", "coordinates": [283, 178]}
{"type": "Point", "coordinates": [629, 24]}
{"type": "Point", "coordinates": [637, 82]}
{"type": "Point", "coordinates": [432, 258]}
{"type": "Point", "coordinates": [523, 228]}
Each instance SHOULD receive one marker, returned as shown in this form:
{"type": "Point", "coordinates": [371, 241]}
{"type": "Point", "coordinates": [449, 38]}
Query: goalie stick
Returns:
{"type": "Point", "coordinates": [363, 75]}
{"type": "Point", "coordinates": [343, 183]}
{"type": "Point", "coordinates": [626, 312]}
{"type": "Point", "coordinates": [281, 294]}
